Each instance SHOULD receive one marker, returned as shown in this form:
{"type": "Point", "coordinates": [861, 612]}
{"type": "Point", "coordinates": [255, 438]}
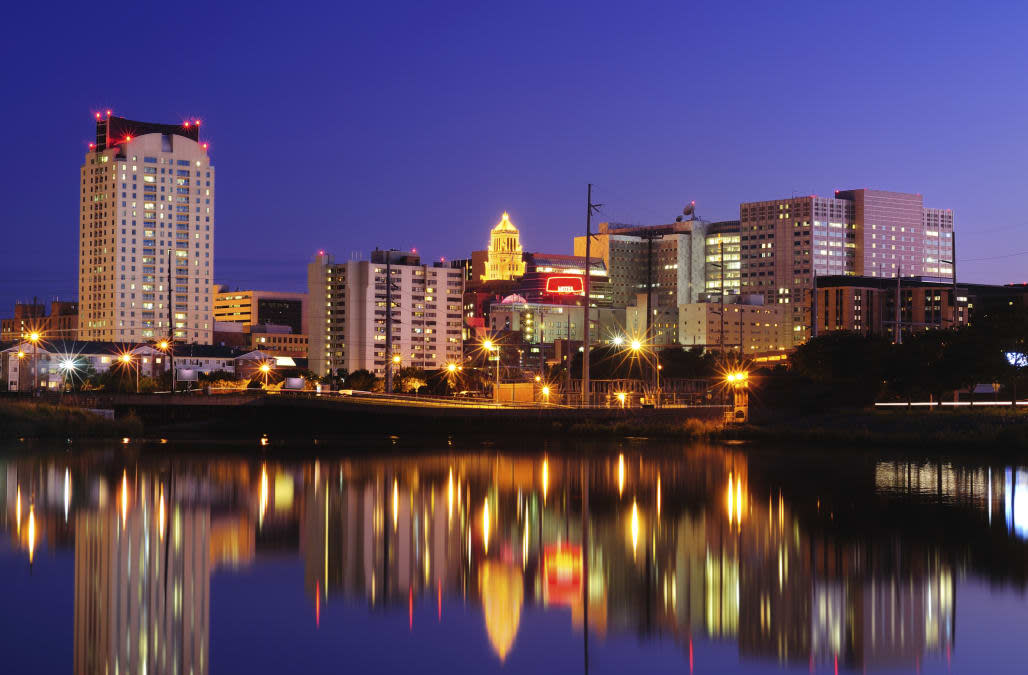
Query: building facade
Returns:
{"type": "Point", "coordinates": [785, 243]}
{"type": "Point", "coordinates": [146, 233]}
{"type": "Point", "coordinates": [665, 266]}
{"type": "Point", "coordinates": [61, 323]}
{"type": "Point", "coordinates": [757, 330]}
{"type": "Point", "coordinates": [505, 258]}
{"type": "Point", "coordinates": [261, 307]}
{"type": "Point", "coordinates": [348, 313]}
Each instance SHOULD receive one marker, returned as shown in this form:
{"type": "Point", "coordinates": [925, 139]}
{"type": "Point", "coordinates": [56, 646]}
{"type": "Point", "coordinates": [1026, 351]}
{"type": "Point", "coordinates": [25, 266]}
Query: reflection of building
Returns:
{"type": "Point", "coordinates": [142, 586]}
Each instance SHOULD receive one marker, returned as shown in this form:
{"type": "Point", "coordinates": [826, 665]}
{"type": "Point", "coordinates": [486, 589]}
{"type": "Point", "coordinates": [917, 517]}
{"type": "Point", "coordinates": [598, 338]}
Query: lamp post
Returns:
{"type": "Point", "coordinates": [546, 393]}
{"type": "Point", "coordinates": [34, 339]}
{"type": "Point", "coordinates": [739, 381]}
{"type": "Point", "coordinates": [127, 359]}
{"type": "Point", "coordinates": [489, 346]}
{"type": "Point", "coordinates": [167, 347]}
{"type": "Point", "coordinates": [265, 369]}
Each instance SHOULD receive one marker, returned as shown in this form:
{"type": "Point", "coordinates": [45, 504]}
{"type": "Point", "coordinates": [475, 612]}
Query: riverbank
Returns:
{"type": "Point", "coordinates": [42, 420]}
{"type": "Point", "coordinates": [984, 428]}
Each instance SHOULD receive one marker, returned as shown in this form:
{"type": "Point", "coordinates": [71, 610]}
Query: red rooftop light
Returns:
{"type": "Point", "coordinates": [97, 115]}
{"type": "Point", "coordinates": [204, 146]}
{"type": "Point", "coordinates": [108, 113]}
{"type": "Point", "coordinates": [128, 138]}
{"type": "Point", "coordinates": [321, 252]}
{"type": "Point", "coordinates": [186, 124]}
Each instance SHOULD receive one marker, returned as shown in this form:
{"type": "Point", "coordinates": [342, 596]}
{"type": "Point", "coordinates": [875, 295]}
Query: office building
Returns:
{"type": "Point", "coordinates": [348, 312]}
{"type": "Point", "coordinates": [664, 266]}
{"type": "Point", "coordinates": [146, 217]}
{"type": "Point", "coordinates": [785, 243]}
{"type": "Point", "coordinates": [271, 338]}
{"type": "Point", "coordinates": [761, 331]}
{"type": "Point", "coordinates": [261, 307]}
{"type": "Point", "coordinates": [504, 260]}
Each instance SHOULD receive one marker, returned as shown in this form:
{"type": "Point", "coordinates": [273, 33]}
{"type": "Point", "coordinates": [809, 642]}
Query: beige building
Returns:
{"type": "Point", "coordinates": [259, 307]}
{"type": "Point", "coordinates": [146, 216]}
{"type": "Point", "coordinates": [348, 313]}
{"type": "Point", "coordinates": [762, 329]}
{"type": "Point", "coordinates": [505, 259]}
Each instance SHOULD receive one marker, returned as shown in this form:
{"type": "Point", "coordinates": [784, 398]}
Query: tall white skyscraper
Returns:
{"type": "Point", "coordinates": [146, 223]}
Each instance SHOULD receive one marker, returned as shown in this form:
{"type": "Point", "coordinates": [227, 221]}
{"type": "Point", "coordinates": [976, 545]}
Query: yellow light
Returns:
{"type": "Point", "coordinates": [396, 502]}
{"type": "Point", "coordinates": [546, 478]}
{"type": "Point", "coordinates": [125, 358]}
{"type": "Point", "coordinates": [396, 358]}
{"type": "Point", "coordinates": [32, 532]}
{"type": "Point", "coordinates": [449, 507]}
{"type": "Point", "coordinates": [621, 474]}
{"type": "Point", "coordinates": [162, 345]}
{"type": "Point", "coordinates": [546, 391]}
{"type": "Point", "coordinates": [636, 345]}
{"type": "Point", "coordinates": [485, 525]}
{"type": "Point", "coordinates": [124, 497]}
{"type": "Point", "coordinates": [21, 354]}
{"type": "Point", "coordinates": [538, 378]}
{"type": "Point", "coordinates": [160, 515]}
{"type": "Point", "coordinates": [264, 495]}
{"type": "Point", "coordinates": [452, 367]}
{"type": "Point", "coordinates": [635, 527]}
{"type": "Point", "coordinates": [265, 368]}
{"type": "Point", "coordinates": [33, 337]}
{"type": "Point", "coordinates": [488, 345]}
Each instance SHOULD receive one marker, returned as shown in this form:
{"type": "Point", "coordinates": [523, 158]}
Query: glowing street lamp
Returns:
{"type": "Point", "coordinates": [265, 369]}
{"type": "Point", "coordinates": [127, 360]}
{"type": "Point", "coordinates": [451, 367]}
{"type": "Point", "coordinates": [618, 341]}
{"type": "Point", "coordinates": [546, 393]}
{"type": "Point", "coordinates": [490, 346]}
{"type": "Point", "coordinates": [67, 367]}
{"type": "Point", "coordinates": [621, 398]}
{"type": "Point", "coordinates": [34, 337]}
{"type": "Point", "coordinates": [168, 348]}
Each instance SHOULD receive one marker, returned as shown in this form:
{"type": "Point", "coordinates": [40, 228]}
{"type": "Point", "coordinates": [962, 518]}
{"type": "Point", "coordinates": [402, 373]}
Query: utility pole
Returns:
{"type": "Point", "coordinates": [171, 327]}
{"type": "Point", "coordinates": [589, 208]}
{"type": "Point", "coordinates": [897, 337]}
{"type": "Point", "coordinates": [721, 252]}
{"type": "Point", "coordinates": [389, 325]}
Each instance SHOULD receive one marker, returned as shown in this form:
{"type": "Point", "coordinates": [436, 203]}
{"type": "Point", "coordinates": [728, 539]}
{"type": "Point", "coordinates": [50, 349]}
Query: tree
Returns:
{"type": "Point", "coordinates": [361, 380]}
{"type": "Point", "coordinates": [409, 379]}
{"type": "Point", "coordinates": [854, 364]}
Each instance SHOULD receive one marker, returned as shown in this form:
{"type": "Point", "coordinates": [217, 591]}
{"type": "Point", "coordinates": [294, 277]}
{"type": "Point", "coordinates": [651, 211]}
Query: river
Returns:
{"type": "Point", "coordinates": [462, 555]}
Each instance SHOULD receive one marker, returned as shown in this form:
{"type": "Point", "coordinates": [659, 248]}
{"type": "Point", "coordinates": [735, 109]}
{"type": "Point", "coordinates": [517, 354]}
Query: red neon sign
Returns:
{"type": "Point", "coordinates": [565, 285]}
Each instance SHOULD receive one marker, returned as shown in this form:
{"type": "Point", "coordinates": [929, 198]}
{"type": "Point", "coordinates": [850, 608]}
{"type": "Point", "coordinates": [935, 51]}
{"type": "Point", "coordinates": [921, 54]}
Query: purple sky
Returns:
{"type": "Point", "coordinates": [347, 126]}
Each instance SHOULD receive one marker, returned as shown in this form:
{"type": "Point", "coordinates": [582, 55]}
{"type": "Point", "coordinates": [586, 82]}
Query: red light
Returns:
{"type": "Point", "coordinates": [97, 115]}
{"type": "Point", "coordinates": [414, 250]}
{"type": "Point", "coordinates": [108, 113]}
{"type": "Point", "coordinates": [128, 138]}
{"type": "Point", "coordinates": [322, 252]}
{"type": "Point", "coordinates": [92, 145]}
{"type": "Point", "coordinates": [565, 285]}
{"type": "Point", "coordinates": [204, 146]}
{"type": "Point", "coordinates": [186, 124]}
{"type": "Point", "coordinates": [693, 202]}
{"type": "Point", "coordinates": [197, 122]}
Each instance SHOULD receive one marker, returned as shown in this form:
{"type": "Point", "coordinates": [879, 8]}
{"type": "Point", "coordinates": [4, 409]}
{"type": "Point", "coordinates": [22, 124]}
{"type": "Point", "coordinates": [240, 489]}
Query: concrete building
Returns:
{"type": "Point", "coordinates": [261, 307]}
{"type": "Point", "coordinates": [348, 312]}
{"type": "Point", "coordinates": [61, 323]}
{"type": "Point", "coordinates": [272, 338]}
{"type": "Point", "coordinates": [664, 266]}
{"type": "Point", "coordinates": [759, 330]}
{"type": "Point", "coordinates": [785, 243]}
{"type": "Point", "coordinates": [146, 216]}
{"type": "Point", "coordinates": [545, 323]}
{"type": "Point", "coordinates": [504, 259]}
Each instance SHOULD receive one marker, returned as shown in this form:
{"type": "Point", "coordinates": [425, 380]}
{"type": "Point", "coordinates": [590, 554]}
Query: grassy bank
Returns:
{"type": "Point", "coordinates": [985, 428]}
{"type": "Point", "coordinates": [42, 420]}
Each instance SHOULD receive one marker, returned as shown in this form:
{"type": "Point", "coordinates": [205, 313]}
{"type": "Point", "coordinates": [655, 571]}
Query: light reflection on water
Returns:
{"type": "Point", "coordinates": [694, 547]}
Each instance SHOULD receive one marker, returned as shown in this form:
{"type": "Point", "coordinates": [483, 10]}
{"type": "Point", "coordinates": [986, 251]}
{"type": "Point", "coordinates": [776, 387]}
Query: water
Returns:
{"type": "Point", "coordinates": [463, 556]}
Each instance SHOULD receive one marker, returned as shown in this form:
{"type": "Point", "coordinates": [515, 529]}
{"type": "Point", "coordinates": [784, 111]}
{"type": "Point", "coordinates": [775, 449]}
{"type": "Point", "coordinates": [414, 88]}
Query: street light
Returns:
{"type": "Point", "coordinates": [265, 369]}
{"type": "Point", "coordinates": [621, 398]}
{"type": "Point", "coordinates": [489, 346]}
{"type": "Point", "coordinates": [34, 338]}
{"type": "Point", "coordinates": [126, 359]}
{"type": "Point", "coordinates": [67, 367]}
{"type": "Point", "coordinates": [546, 393]}
{"type": "Point", "coordinates": [167, 347]}
{"type": "Point", "coordinates": [618, 340]}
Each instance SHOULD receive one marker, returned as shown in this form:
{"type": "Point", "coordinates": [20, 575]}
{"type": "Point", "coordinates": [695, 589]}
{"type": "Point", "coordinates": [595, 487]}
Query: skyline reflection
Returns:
{"type": "Point", "coordinates": [699, 545]}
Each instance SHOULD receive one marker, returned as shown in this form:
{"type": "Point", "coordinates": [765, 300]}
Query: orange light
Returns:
{"type": "Point", "coordinates": [204, 146]}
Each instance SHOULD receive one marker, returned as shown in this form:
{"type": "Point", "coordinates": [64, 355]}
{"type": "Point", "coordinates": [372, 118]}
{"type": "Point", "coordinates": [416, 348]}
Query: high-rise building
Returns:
{"type": "Point", "coordinates": [146, 233]}
{"type": "Point", "coordinates": [504, 260]}
{"type": "Point", "coordinates": [785, 243]}
{"type": "Point", "coordinates": [348, 312]}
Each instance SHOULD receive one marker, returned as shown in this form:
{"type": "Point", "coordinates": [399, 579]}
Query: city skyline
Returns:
{"type": "Point", "coordinates": [497, 130]}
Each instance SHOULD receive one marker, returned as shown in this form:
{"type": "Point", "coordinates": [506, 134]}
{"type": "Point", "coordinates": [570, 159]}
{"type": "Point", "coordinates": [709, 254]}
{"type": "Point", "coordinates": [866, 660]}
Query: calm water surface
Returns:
{"type": "Point", "coordinates": [459, 556]}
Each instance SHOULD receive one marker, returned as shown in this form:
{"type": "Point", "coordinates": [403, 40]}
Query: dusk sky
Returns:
{"type": "Point", "coordinates": [348, 126]}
